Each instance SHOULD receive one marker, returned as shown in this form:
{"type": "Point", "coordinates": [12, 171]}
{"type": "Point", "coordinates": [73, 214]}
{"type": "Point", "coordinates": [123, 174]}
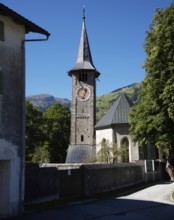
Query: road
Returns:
{"type": "Point", "coordinates": [150, 203]}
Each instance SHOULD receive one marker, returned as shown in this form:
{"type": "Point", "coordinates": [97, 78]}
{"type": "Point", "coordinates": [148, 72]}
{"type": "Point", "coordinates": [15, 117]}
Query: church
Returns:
{"type": "Point", "coordinates": [86, 135]}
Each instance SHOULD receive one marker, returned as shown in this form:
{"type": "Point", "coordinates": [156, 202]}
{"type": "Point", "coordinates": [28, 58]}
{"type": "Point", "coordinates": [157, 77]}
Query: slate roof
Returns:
{"type": "Point", "coordinates": [84, 58]}
{"type": "Point", "coordinates": [117, 114]}
{"type": "Point", "coordinates": [29, 26]}
{"type": "Point", "coordinates": [80, 153]}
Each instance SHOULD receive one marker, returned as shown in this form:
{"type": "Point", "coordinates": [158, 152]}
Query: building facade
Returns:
{"type": "Point", "coordinates": [13, 28]}
{"type": "Point", "coordinates": [84, 74]}
{"type": "Point", "coordinates": [114, 128]}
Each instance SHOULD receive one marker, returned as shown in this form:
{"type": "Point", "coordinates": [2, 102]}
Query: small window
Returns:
{"type": "Point", "coordinates": [82, 138]}
{"type": "Point", "coordinates": [1, 31]}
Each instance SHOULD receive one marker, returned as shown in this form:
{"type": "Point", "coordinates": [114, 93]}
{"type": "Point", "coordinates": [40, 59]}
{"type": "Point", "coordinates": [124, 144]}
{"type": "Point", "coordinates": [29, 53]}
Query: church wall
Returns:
{"type": "Point", "coordinates": [104, 133]}
{"type": "Point", "coordinates": [12, 120]}
{"type": "Point", "coordinates": [122, 131]}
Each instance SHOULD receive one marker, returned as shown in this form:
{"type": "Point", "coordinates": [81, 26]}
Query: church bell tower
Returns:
{"type": "Point", "coordinates": [83, 110]}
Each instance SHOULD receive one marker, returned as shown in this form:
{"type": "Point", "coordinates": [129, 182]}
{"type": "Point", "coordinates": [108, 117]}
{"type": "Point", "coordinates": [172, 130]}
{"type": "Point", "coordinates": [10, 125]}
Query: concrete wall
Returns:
{"type": "Point", "coordinates": [56, 181]}
{"type": "Point", "coordinates": [12, 122]}
{"type": "Point", "coordinates": [104, 133]}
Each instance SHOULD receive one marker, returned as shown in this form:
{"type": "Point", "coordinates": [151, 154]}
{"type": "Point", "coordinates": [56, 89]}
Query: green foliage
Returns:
{"type": "Point", "coordinates": [152, 120]}
{"type": "Point", "coordinates": [108, 153]}
{"type": "Point", "coordinates": [35, 135]}
{"type": "Point", "coordinates": [124, 152]}
{"type": "Point", "coordinates": [41, 154]}
{"type": "Point", "coordinates": [57, 125]}
{"type": "Point", "coordinates": [47, 135]}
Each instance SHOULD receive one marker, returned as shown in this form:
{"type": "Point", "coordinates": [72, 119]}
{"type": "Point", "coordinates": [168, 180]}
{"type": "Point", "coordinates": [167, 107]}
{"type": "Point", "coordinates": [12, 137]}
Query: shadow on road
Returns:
{"type": "Point", "coordinates": [115, 208]}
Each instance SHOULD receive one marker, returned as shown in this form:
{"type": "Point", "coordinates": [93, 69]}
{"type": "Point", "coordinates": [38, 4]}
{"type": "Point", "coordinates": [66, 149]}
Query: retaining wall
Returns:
{"type": "Point", "coordinates": [60, 181]}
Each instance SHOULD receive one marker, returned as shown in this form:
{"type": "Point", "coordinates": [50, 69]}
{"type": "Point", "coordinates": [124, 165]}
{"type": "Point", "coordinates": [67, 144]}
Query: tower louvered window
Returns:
{"type": "Point", "coordinates": [83, 77]}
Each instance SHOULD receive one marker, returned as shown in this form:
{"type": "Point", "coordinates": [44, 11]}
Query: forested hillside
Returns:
{"type": "Point", "coordinates": [104, 102]}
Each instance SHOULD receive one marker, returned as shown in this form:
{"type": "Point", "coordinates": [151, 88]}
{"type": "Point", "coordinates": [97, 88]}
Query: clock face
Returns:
{"type": "Point", "coordinates": [83, 93]}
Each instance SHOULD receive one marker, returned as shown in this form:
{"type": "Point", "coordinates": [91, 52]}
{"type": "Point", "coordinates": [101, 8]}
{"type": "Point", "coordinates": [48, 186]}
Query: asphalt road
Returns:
{"type": "Point", "coordinates": [150, 203]}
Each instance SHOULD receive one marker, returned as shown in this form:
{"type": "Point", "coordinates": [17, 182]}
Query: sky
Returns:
{"type": "Point", "coordinates": [116, 32]}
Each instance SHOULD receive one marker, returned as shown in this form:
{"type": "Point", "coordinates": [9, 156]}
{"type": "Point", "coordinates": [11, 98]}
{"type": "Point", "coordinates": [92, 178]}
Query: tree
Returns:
{"type": "Point", "coordinates": [108, 153]}
{"type": "Point", "coordinates": [35, 136]}
{"type": "Point", "coordinates": [152, 119]}
{"type": "Point", "coordinates": [57, 124]}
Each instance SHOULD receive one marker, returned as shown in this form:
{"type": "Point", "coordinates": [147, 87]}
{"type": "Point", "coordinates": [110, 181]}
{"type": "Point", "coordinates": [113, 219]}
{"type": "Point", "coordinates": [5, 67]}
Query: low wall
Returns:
{"type": "Point", "coordinates": [41, 184]}
{"type": "Point", "coordinates": [102, 178]}
{"type": "Point", "coordinates": [60, 181]}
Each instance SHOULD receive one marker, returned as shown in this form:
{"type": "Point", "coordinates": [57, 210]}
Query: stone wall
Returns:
{"type": "Point", "coordinates": [107, 177]}
{"type": "Point", "coordinates": [41, 184]}
{"type": "Point", "coordinates": [62, 181]}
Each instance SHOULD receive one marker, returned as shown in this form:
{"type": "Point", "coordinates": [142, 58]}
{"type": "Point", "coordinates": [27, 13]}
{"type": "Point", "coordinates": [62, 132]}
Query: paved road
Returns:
{"type": "Point", "coordinates": [150, 203]}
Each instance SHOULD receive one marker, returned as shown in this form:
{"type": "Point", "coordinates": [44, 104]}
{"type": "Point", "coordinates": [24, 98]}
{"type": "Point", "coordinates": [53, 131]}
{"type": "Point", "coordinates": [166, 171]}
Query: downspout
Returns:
{"type": "Point", "coordinates": [22, 164]}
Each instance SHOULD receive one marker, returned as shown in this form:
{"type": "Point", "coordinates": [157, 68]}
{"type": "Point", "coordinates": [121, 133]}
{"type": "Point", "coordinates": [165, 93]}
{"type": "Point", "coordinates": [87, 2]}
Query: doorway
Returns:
{"type": "Point", "coordinates": [4, 186]}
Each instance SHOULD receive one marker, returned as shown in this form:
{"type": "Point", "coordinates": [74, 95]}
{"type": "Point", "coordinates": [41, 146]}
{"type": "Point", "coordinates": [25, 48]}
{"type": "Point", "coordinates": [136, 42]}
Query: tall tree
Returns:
{"type": "Point", "coordinates": [152, 120]}
{"type": "Point", "coordinates": [35, 135]}
{"type": "Point", "coordinates": [57, 122]}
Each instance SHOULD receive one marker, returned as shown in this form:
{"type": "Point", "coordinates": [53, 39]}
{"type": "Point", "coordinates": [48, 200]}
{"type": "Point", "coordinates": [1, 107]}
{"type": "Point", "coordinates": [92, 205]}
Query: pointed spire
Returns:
{"type": "Point", "coordinates": [84, 58]}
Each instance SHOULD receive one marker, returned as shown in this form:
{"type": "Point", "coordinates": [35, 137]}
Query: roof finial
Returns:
{"type": "Point", "coordinates": [83, 11]}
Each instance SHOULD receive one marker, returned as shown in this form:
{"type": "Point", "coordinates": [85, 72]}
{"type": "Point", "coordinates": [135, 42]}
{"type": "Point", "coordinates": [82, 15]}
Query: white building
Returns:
{"type": "Point", "coordinates": [13, 28]}
{"type": "Point", "coordinates": [114, 127]}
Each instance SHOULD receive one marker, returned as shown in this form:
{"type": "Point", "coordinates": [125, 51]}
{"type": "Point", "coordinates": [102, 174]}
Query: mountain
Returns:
{"type": "Point", "coordinates": [44, 101]}
{"type": "Point", "coordinates": [103, 103]}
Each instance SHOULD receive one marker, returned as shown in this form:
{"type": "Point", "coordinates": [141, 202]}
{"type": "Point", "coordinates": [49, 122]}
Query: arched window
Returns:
{"type": "Point", "coordinates": [82, 138]}
{"type": "Point", "coordinates": [1, 31]}
{"type": "Point", "coordinates": [124, 150]}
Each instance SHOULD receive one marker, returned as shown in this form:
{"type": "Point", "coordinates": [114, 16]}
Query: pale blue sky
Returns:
{"type": "Point", "coordinates": [116, 31]}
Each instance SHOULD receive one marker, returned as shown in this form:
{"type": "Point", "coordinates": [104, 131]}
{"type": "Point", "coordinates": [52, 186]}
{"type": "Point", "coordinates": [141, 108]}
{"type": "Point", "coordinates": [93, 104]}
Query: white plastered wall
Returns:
{"type": "Point", "coordinates": [11, 170]}
{"type": "Point", "coordinates": [9, 178]}
{"type": "Point", "coordinates": [104, 133]}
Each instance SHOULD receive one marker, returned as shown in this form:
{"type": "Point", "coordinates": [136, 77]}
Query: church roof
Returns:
{"type": "Point", "coordinates": [84, 58]}
{"type": "Point", "coordinates": [29, 26]}
{"type": "Point", "coordinates": [117, 114]}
